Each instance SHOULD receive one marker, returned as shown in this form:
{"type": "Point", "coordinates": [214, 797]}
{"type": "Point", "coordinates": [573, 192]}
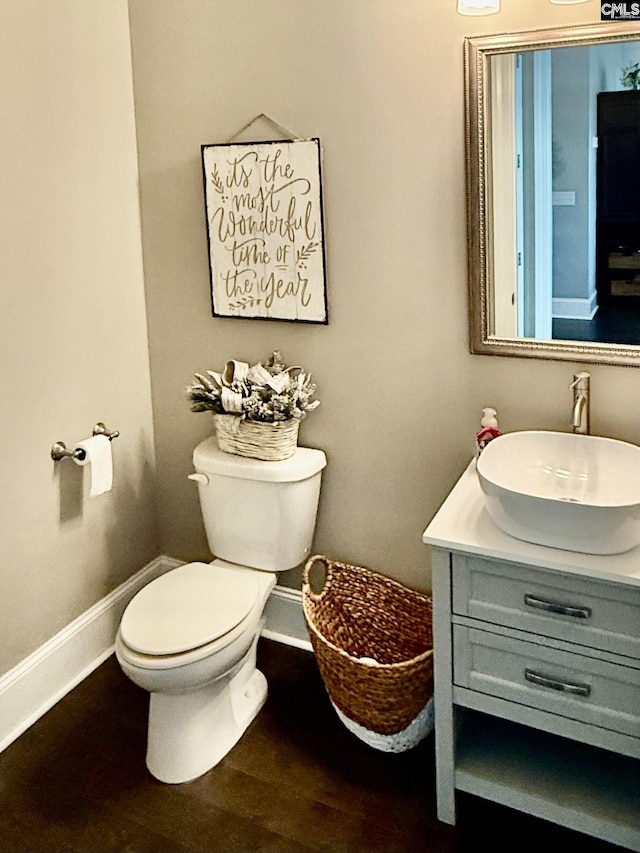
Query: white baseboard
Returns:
{"type": "Point", "coordinates": [575, 309]}
{"type": "Point", "coordinates": [34, 686]}
{"type": "Point", "coordinates": [285, 618]}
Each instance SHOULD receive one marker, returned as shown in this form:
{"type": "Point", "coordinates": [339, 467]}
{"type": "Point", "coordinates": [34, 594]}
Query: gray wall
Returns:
{"type": "Point", "coordinates": [73, 347]}
{"type": "Point", "coordinates": [572, 117]}
{"type": "Point", "coordinates": [381, 84]}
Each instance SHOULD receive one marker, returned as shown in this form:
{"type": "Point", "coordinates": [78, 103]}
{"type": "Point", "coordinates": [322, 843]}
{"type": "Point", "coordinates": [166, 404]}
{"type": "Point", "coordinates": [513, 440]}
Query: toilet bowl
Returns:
{"type": "Point", "coordinates": [189, 637]}
{"type": "Point", "coordinates": [204, 685]}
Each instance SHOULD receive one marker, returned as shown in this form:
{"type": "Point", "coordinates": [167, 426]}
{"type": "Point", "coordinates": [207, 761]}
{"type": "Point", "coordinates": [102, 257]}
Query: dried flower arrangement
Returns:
{"type": "Point", "coordinates": [268, 392]}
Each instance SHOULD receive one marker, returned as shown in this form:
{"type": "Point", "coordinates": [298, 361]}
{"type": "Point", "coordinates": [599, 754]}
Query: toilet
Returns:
{"type": "Point", "coordinates": [189, 637]}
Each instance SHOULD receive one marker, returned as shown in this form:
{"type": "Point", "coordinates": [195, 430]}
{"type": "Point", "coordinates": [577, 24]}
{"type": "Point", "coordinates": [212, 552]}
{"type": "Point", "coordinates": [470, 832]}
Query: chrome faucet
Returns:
{"type": "Point", "coordinates": [580, 416]}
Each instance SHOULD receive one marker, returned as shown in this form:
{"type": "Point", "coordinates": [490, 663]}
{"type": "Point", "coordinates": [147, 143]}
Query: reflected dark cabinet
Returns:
{"type": "Point", "coordinates": [618, 189]}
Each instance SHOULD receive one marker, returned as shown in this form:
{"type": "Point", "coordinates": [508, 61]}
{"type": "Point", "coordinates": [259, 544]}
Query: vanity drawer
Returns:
{"type": "Point", "coordinates": [587, 611]}
{"type": "Point", "coordinates": [582, 688]}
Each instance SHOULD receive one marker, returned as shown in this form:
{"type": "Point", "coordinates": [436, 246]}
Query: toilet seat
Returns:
{"type": "Point", "coordinates": [188, 608]}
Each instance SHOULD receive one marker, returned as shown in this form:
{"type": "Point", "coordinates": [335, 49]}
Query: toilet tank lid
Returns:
{"type": "Point", "coordinates": [305, 462]}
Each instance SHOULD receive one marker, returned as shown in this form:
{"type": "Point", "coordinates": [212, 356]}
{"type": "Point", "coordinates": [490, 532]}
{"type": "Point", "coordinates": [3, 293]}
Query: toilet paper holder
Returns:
{"type": "Point", "coordinates": [60, 450]}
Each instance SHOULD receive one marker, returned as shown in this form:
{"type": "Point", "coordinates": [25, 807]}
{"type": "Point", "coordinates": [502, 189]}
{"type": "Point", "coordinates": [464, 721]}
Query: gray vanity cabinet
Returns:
{"type": "Point", "coordinates": [537, 674]}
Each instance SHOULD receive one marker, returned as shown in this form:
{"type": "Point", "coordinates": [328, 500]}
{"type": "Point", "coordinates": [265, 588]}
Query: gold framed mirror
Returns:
{"type": "Point", "coordinates": [553, 194]}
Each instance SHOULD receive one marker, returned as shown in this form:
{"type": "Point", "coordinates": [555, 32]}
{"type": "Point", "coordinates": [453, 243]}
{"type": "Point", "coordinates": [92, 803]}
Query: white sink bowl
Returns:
{"type": "Point", "coordinates": [576, 492]}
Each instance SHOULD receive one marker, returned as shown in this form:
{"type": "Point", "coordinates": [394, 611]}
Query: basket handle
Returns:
{"type": "Point", "coordinates": [318, 558]}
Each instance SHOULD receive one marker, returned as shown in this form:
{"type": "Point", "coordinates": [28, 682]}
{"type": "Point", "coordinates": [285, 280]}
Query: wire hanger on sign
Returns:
{"type": "Point", "coordinates": [283, 131]}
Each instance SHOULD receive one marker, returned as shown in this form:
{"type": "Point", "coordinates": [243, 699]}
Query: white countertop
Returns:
{"type": "Point", "coordinates": [463, 524]}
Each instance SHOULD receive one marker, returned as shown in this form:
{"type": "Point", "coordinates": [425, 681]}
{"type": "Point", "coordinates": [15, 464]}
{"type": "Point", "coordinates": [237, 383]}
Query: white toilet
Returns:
{"type": "Point", "coordinates": [190, 636]}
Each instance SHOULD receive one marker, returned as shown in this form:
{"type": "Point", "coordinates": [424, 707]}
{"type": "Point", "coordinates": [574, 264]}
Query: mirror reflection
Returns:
{"type": "Point", "coordinates": [565, 156]}
{"type": "Point", "coordinates": [553, 192]}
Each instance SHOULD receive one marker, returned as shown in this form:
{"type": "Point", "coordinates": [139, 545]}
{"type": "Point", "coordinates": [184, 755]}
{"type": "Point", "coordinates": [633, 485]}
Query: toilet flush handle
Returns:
{"type": "Point", "coordinates": [202, 479]}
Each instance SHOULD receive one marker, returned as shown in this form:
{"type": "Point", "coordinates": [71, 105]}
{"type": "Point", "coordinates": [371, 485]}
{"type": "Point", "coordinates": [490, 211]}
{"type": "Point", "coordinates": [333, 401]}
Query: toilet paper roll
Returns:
{"type": "Point", "coordinates": [97, 454]}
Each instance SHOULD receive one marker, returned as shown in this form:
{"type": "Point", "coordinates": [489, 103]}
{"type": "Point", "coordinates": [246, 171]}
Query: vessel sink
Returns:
{"type": "Point", "coordinates": [575, 492]}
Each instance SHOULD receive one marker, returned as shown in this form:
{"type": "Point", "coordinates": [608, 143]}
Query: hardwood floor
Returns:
{"type": "Point", "coordinates": [615, 323]}
{"type": "Point", "coordinates": [76, 782]}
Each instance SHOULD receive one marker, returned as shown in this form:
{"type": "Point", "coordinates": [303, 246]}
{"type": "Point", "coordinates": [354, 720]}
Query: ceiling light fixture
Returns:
{"type": "Point", "coordinates": [490, 7]}
{"type": "Point", "coordinates": [478, 7]}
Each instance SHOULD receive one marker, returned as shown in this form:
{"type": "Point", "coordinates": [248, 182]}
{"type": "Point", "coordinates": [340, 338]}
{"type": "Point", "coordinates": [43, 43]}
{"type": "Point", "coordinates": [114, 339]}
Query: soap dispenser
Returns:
{"type": "Point", "coordinates": [488, 430]}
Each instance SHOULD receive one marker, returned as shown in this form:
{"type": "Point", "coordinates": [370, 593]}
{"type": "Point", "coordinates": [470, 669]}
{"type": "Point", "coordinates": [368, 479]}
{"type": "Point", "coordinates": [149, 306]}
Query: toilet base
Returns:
{"type": "Point", "coordinates": [190, 733]}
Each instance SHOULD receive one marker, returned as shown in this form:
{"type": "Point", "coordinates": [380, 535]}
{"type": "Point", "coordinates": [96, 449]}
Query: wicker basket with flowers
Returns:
{"type": "Point", "coordinates": [256, 410]}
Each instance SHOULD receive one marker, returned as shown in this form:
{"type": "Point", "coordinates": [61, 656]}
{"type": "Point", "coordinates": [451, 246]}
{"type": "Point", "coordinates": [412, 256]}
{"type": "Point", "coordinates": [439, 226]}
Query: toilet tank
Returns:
{"type": "Point", "coordinates": [259, 514]}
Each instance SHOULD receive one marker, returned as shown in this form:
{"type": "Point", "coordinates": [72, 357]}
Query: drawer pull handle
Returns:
{"type": "Point", "coordinates": [563, 686]}
{"type": "Point", "coordinates": [554, 607]}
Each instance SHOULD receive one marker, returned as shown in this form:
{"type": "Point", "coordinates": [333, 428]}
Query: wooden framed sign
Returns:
{"type": "Point", "coordinates": [263, 203]}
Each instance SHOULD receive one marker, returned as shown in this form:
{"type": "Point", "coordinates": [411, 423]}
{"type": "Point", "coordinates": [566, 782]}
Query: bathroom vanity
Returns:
{"type": "Point", "coordinates": [537, 673]}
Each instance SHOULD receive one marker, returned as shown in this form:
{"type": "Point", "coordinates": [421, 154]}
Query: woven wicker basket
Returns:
{"type": "Point", "coordinates": [360, 614]}
{"type": "Point", "coordinates": [269, 441]}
